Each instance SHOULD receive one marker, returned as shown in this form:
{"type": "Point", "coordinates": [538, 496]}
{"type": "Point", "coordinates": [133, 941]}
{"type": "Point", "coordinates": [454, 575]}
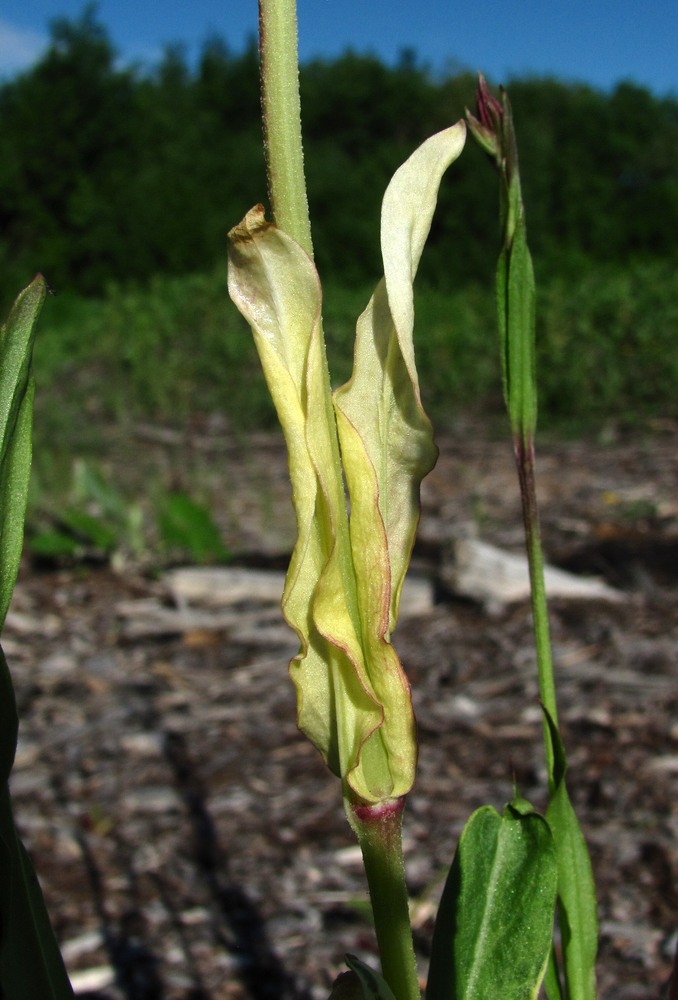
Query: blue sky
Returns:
{"type": "Point", "coordinates": [599, 42]}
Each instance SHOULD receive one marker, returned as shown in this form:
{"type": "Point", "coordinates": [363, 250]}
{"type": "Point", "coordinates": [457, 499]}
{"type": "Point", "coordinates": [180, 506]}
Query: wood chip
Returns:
{"type": "Point", "coordinates": [497, 578]}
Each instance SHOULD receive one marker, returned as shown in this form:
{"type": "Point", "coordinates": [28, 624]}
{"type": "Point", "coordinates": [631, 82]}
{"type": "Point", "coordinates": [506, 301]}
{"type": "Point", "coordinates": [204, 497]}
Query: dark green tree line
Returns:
{"type": "Point", "coordinates": [114, 174]}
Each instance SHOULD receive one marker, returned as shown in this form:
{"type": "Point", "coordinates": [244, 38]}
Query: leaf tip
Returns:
{"type": "Point", "coordinates": [255, 221]}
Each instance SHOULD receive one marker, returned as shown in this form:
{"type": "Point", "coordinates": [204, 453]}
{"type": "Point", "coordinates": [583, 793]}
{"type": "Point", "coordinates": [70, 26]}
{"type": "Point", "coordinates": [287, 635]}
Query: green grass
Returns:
{"type": "Point", "coordinates": [608, 346]}
{"type": "Point", "coordinates": [176, 352]}
{"type": "Point", "coordinates": [167, 352]}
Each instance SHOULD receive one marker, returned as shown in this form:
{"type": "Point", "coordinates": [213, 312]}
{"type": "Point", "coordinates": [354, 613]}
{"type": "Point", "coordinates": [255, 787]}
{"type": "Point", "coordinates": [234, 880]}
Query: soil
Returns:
{"type": "Point", "coordinates": [190, 842]}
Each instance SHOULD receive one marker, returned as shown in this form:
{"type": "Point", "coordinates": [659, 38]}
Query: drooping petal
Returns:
{"type": "Point", "coordinates": [385, 434]}
{"type": "Point", "coordinates": [275, 286]}
{"type": "Point", "coordinates": [387, 440]}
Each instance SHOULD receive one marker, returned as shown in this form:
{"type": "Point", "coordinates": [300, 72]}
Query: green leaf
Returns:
{"type": "Point", "coordinates": [90, 486]}
{"type": "Point", "coordinates": [495, 923]}
{"type": "Point", "coordinates": [577, 911]}
{"type": "Point", "coordinates": [189, 526]}
{"type": "Point", "coordinates": [30, 963]}
{"type": "Point", "coordinates": [552, 985]}
{"type": "Point", "coordinates": [89, 529]}
{"type": "Point", "coordinates": [54, 544]}
{"type": "Point", "coordinates": [16, 419]}
{"type": "Point", "coordinates": [516, 312]}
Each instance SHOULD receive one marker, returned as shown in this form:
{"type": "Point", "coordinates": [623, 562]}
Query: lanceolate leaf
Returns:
{"type": "Point", "coordinates": [30, 963]}
{"type": "Point", "coordinates": [493, 931]}
{"type": "Point", "coordinates": [342, 589]}
{"type": "Point", "coordinates": [16, 417]}
{"type": "Point", "coordinates": [577, 911]}
{"type": "Point", "coordinates": [516, 297]}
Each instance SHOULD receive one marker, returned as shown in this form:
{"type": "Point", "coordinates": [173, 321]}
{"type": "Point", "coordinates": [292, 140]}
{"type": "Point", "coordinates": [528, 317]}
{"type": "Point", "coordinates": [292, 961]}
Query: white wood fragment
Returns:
{"type": "Point", "coordinates": [88, 980]}
{"type": "Point", "coordinates": [81, 945]}
{"type": "Point", "coordinates": [245, 603]}
{"type": "Point", "coordinates": [496, 578]}
{"type": "Point", "coordinates": [225, 586]}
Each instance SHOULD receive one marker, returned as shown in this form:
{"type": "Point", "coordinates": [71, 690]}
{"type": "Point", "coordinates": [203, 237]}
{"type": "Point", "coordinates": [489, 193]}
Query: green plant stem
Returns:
{"type": "Point", "coordinates": [282, 119]}
{"type": "Point", "coordinates": [287, 185]}
{"type": "Point", "coordinates": [379, 832]}
{"type": "Point", "coordinates": [378, 828]}
{"type": "Point", "coordinates": [524, 452]}
{"type": "Point", "coordinates": [281, 109]}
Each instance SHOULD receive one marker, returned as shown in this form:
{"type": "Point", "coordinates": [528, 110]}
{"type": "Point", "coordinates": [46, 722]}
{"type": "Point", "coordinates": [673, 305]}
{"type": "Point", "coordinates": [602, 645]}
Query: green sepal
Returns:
{"type": "Point", "coordinates": [494, 927]}
{"type": "Point", "coordinates": [361, 983]}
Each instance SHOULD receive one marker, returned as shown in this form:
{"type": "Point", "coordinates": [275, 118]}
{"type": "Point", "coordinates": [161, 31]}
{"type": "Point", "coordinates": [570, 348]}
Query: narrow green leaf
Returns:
{"type": "Point", "coordinates": [16, 344]}
{"type": "Point", "coordinates": [53, 544]}
{"type": "Point", "coordinates": [552, 985]}
{"type": "Point", "coordinates": [577, 911]}
{"type": "Point", "coordinates": [516, 310]}
{"type": "Point", "coordinates": [16, 419]}
{"type": "Point", "coordinates": [89, 530]}
{"type": "Point", "coordinates": [30, 962]}
{"type": "Point", "coordinates": [14, 479]}
{"type": "Point", "coordinates": [502, 320]}
{"type": "Point", "coordinates": [495, 923]}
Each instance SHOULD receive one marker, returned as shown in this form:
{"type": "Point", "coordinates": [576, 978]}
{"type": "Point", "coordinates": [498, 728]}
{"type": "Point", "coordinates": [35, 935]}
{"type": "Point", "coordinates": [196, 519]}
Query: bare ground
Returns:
{"type": "Point", "coordinates": [190, 842]}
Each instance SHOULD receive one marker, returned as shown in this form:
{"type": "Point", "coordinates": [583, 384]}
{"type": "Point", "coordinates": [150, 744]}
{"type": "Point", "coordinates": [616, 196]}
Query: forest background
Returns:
{"type": "Point", "coordinates": [119, 184]}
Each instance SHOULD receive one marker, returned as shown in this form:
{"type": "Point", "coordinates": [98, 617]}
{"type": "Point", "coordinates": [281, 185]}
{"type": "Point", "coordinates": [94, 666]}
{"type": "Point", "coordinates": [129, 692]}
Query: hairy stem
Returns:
{"type": "Point", "coordinates": [283, 148]}
{"type": "Point", "coordinates": [379, 832]}
{"type": "Point", "coordinates": [282, 119]}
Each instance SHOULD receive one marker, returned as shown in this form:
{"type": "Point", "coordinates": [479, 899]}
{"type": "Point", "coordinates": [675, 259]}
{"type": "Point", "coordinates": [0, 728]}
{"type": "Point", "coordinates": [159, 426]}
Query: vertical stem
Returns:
{"type": "Point", "coordinates": [378, 828]}
{"type": "Point", "coordinates": [379, 832]}
{"type": "Point", "coordinates": [281, 110]}
{"type": "Point", "coordinates": [282, 119]}
{"type": "Point", "coordinates": [524, 451]}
